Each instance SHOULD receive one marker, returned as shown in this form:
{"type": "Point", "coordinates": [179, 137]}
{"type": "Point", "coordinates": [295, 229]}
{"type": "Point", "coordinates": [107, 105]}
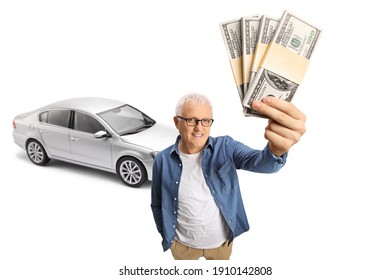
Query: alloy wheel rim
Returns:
{"type": "Point", "coordinates": [130, 172]}
{"type": "Point", "coordinates": [35, 152]}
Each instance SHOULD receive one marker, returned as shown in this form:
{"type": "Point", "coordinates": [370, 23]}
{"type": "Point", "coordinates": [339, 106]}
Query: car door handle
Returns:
{"type": "Point", "coordinates": [43, 132]}
{"type": "Point", "coordinates": [74, 139]}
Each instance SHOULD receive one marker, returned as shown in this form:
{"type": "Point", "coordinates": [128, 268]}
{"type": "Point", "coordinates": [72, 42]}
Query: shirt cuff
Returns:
{"type": "Point", "coordinates": [281, 159]}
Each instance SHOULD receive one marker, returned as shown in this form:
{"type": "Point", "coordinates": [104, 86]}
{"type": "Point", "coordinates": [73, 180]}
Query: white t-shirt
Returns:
{"type": "Point", "coordinates": [200, 223]}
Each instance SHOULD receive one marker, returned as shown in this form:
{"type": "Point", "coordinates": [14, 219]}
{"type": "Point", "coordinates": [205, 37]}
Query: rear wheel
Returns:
{"type": "Point", "coordinates": [131, 171]}
{"type": "Point", "coordinates": [36, 153]}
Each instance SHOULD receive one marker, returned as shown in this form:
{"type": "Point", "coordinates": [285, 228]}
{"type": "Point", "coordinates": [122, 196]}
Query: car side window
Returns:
{"type": "Point", "coordinates": [43, 117]}
{"type": "Point", "coordinates": [55, 117]}
{"type": "Point", "coordinates": [86, 123]}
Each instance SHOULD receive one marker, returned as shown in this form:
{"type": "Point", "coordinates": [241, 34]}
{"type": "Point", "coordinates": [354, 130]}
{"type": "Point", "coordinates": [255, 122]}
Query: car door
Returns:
{"type": "Point", "coordinates": [54, 129]}
{"type": "Point", "coordinates": [84, 146]}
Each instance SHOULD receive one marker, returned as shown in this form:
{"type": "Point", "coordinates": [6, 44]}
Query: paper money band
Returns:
{"type": "Point", "coordinates": [236, 65]}
{"type": "Point", "coordinates": [259, 54]}
{"type": "Point", "coordinates": [285, 63]}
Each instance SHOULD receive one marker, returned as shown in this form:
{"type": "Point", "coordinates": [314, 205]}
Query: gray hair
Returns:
{"type": "Point", "coordinates": [192, 98]}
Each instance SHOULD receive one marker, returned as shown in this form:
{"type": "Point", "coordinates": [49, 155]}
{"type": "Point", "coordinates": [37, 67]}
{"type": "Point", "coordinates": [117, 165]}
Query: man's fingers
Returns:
{"type": "Point", "coordinates": [279, 106]}
{"type": "Point", "coordinates": [282, 112]}
{"type": "Point", "coordinates": [284, 106]}
{"type": "Point", "coordinates": [293, 135]}
{"type": "Point", "coordinates": [278, 144]}
{"type": "Point", "coordinates": [286, 123]}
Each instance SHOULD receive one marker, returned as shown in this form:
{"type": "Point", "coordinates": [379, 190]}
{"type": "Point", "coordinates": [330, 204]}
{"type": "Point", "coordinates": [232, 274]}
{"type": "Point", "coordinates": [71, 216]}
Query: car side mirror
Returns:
{"type": "Point", "coordinates": [101, 134]}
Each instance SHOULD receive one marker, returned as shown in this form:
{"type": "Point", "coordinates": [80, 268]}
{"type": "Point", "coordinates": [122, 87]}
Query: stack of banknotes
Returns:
{"type": "Point", "coordinates": [268, 56]}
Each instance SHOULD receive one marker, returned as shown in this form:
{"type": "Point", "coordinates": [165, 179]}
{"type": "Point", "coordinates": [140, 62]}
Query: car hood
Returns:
{"type": "Point", "coordinates": [156, 138]}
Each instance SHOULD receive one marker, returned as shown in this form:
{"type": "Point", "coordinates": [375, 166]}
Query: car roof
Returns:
{"type": "Point", "coordinates": [91, 105]}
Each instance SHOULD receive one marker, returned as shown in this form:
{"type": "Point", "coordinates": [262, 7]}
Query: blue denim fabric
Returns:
{"type": "Point", "coordinates": [221, 158]}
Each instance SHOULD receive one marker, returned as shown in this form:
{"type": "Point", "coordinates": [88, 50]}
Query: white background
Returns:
{"type": "Point", "coordinates": [324, 216]}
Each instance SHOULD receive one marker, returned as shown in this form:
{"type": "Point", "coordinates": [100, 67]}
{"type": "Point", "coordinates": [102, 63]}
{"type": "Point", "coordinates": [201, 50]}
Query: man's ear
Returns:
{"type": "Point", "coordinates": [176, 121]}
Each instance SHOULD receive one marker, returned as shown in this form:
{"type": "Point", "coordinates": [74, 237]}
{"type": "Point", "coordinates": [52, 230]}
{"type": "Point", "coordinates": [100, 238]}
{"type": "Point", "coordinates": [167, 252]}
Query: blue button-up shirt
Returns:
{"type": "Point", "coordinates": [221, 158]}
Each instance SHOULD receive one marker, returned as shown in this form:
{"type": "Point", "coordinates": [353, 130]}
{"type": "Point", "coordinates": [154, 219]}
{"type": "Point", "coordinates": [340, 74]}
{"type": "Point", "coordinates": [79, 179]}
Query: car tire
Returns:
{"type": "Point", "coordinates": [36, 153]}
{"type": "Point", "coordinates": [131, 171]}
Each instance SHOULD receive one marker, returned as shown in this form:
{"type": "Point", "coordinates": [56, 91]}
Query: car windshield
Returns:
{"type": "Point", "coordinates": [126, 120]}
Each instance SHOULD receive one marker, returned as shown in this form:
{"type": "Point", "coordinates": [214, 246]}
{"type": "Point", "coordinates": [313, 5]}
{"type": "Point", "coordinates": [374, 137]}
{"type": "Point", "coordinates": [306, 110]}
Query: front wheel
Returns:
{"type": "Point", "coordinates": [131, 171]}
{"type": "Point", "coordinates": [36, 153]}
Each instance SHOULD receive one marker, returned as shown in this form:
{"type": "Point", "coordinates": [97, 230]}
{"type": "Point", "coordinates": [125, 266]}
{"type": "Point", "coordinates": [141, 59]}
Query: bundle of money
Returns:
{"type": "Point", "coordinates": [278, 52]}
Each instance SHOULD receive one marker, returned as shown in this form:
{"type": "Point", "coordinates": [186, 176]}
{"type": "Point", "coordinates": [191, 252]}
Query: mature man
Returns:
{"type": "Point", "coordinates": [196, 199]}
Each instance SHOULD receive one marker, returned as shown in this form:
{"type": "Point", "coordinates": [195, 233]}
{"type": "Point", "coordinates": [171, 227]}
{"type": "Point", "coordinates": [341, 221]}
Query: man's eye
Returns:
{"type": "Point", "coordinates": [192, 120]}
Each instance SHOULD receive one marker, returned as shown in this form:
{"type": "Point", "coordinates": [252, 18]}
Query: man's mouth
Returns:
{"type": "Point", "coordinates": [197, 134]}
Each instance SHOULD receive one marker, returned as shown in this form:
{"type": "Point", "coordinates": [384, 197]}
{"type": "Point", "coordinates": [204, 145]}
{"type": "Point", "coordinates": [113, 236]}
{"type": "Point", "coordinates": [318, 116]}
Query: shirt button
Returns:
{"type": "Point", "coordinates": [230, 221]}
{"type": "Point", "coordinates": [173, 225]}
{"type": "Point", "coordinates": [174, 198]}
{"type": "Point", "coordinates": [177, 182]}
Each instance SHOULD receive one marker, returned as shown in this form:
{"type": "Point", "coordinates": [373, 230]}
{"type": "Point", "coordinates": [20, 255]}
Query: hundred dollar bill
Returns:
{"type": "Point", "coordinates": [285, 61]}
{"type": "Point", "coordinates": [267, 29]}
{"type": "Point", "coordinates": [250, 33]}
{"type": "Point", "coordinates": [231, 32]}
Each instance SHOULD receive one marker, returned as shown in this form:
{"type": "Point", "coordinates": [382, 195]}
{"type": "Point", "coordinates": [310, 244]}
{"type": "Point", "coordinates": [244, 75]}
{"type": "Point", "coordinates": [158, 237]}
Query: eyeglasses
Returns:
{"type": "Point", "coordinates": [194, 121]}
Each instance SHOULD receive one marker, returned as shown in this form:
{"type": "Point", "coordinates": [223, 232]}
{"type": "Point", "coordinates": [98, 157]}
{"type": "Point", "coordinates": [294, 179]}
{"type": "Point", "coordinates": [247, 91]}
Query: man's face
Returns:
{"type": "Point", "coordinates": [193, 138]}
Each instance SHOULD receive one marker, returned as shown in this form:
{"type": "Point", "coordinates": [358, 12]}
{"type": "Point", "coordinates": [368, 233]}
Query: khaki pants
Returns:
{"type": "Point", "coordinates": [183, 252]}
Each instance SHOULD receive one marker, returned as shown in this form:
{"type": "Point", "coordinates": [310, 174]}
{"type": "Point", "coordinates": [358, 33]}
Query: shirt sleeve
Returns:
{"type": "Point", "coordinates": [156, 196]}
{"type": "Point", "coordinates": [279, 162]}
{"type": "Point", "coordinates": [261, 161]}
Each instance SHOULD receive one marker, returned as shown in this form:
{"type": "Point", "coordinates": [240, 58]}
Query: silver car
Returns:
{"type": "Point", "coordinates": [96, 132]}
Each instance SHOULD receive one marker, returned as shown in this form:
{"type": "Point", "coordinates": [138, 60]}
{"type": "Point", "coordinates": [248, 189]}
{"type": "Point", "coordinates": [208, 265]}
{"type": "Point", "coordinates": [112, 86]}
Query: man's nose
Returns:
{"type": "Point", "coordinates": [198, 124]}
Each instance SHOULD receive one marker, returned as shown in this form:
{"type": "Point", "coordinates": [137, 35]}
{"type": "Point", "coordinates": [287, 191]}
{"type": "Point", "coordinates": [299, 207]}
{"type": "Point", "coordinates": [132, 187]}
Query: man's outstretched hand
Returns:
{"type": "Point", "coordinates": [286, 123]}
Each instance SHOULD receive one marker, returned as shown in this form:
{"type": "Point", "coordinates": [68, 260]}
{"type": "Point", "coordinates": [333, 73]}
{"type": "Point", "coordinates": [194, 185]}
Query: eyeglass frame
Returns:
{"type": "Point", "coordinates": [197, 121]}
